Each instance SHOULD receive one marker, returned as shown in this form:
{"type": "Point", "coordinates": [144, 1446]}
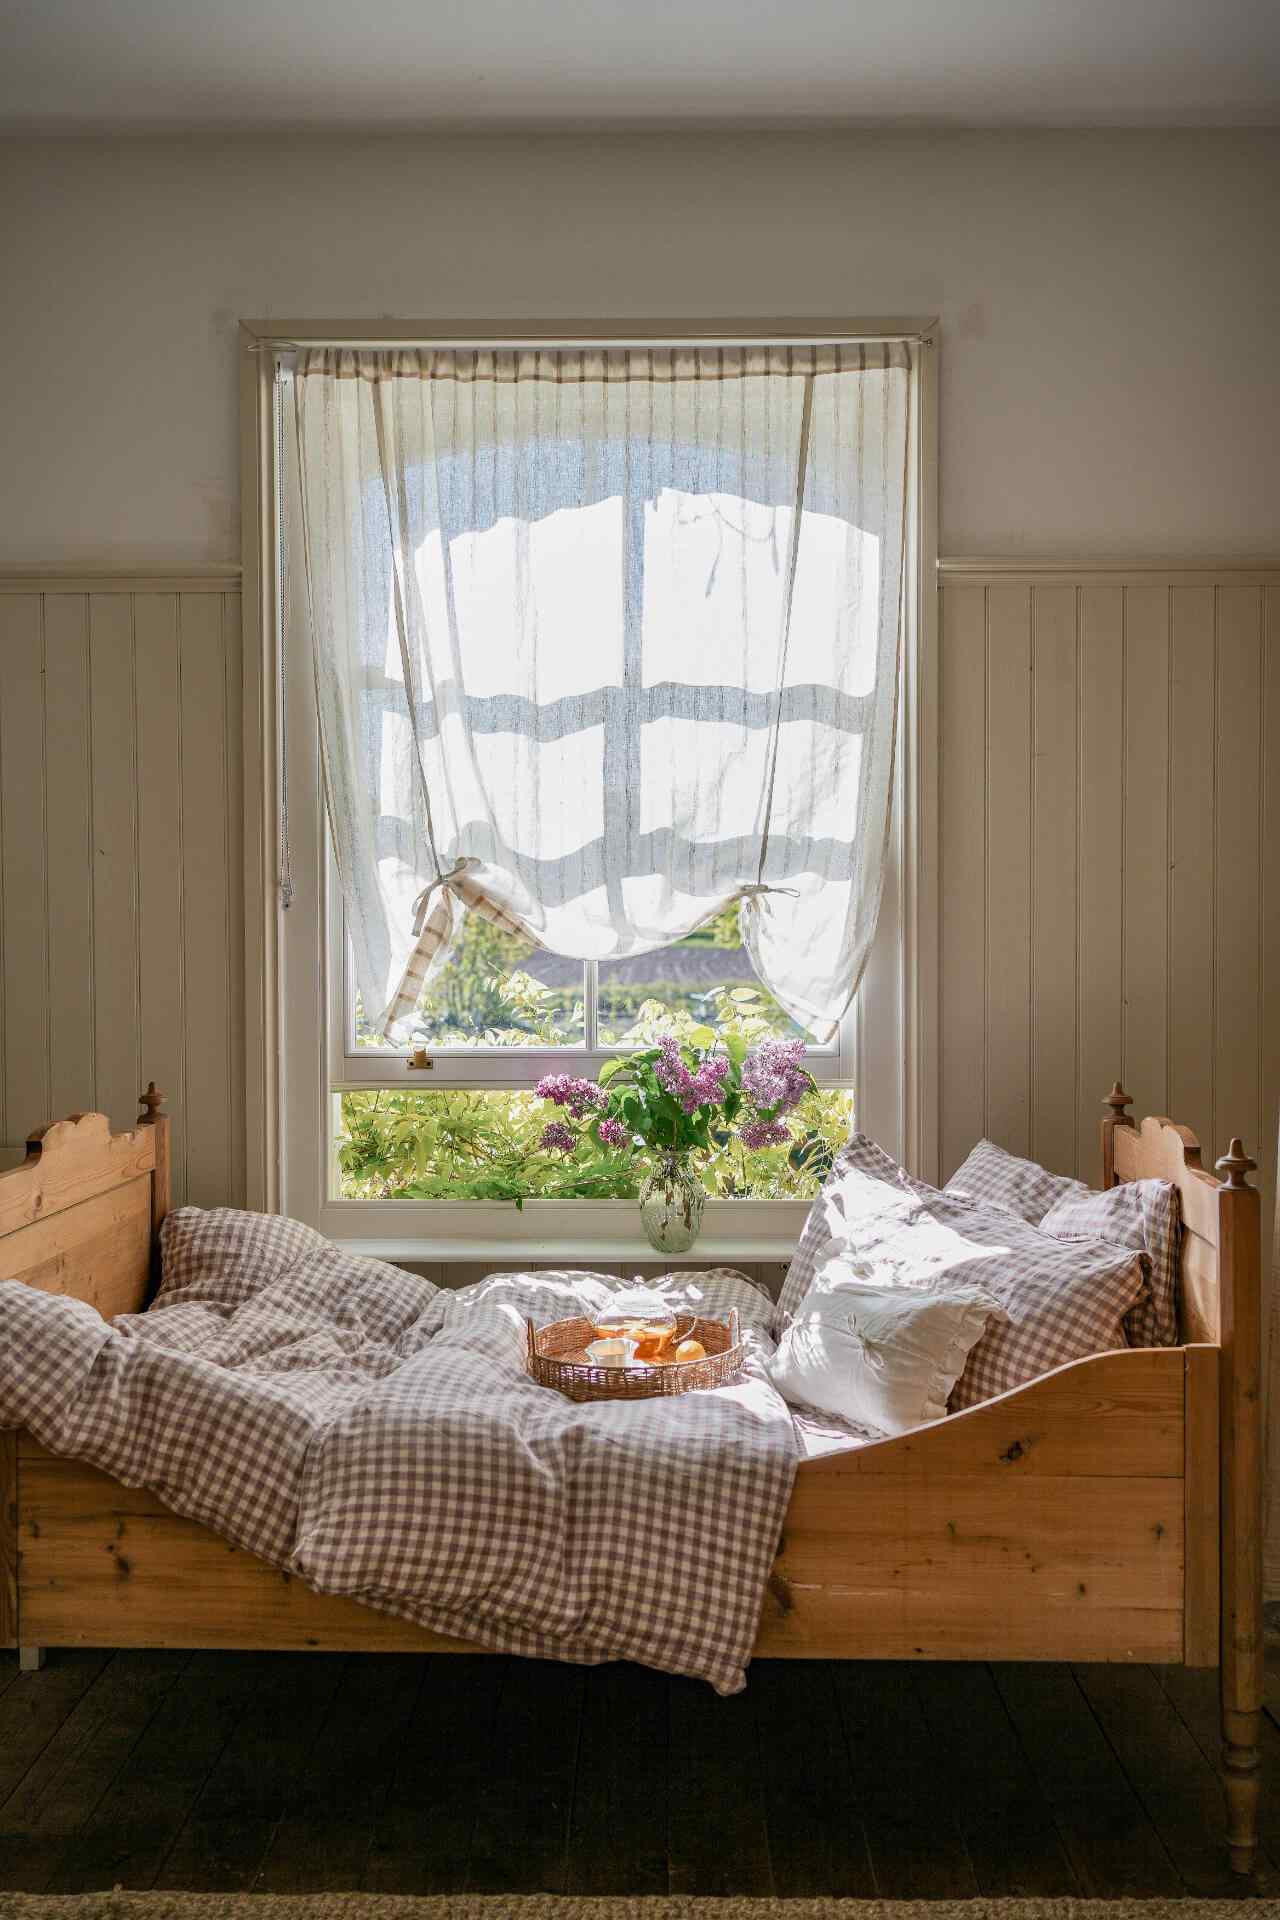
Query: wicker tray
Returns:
{"type": "Point", "coordinates": [556, 1358]}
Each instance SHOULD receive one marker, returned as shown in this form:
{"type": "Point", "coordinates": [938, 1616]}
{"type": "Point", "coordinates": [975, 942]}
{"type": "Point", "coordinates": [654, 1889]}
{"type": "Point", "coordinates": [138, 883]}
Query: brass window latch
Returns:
{"type": "Point", "coordinates": [420, 1061]}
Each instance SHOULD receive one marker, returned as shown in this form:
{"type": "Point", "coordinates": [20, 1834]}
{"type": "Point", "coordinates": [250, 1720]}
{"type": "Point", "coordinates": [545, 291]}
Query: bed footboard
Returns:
{"type": "Point", "coordinates": [1075, 1518]}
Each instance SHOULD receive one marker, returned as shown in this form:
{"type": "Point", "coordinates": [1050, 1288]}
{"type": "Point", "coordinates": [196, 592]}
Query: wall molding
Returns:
{"type": "Point", "coordinates": [1082, 570]}
{"type": "Point", "coordinates": [139, 579]}
{"type": "Point", "coordinates": [1086, 570]}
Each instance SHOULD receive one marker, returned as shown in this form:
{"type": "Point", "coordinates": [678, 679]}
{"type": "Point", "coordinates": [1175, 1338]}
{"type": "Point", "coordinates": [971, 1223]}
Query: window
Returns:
{"type": "Point", "coordinates": [376, 1131]}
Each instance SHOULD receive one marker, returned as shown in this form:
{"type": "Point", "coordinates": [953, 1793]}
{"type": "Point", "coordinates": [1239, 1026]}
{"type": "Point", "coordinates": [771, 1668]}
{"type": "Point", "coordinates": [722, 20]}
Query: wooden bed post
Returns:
{"type": "Point", "coordinates": [151, 1116]}
{"type": "Point", "coordinates": [1116, 1102]}
{"type": "Point", "coordinates": [1240, 1452]}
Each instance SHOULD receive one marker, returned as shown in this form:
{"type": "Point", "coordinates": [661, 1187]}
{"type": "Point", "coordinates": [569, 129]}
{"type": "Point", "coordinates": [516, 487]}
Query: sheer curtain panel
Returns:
{"type": "Point", "coordinates": [604, 641]}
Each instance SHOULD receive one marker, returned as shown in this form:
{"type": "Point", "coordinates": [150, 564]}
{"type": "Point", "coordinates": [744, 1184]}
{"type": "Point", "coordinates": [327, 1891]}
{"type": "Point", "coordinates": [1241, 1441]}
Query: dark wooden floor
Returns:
{"type": "Point", "coordinates": [302, 1773]}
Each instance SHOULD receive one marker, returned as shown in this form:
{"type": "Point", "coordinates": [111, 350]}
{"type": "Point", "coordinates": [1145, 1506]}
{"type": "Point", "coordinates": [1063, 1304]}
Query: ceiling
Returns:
{"type": "Point", "coordinates": [115, 66]}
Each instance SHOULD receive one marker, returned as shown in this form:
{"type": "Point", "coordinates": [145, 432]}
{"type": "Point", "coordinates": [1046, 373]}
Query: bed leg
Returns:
{"type": "Point", "coordinates": [30, 1659]}
{"type": "Point", "coordinates": [1240, 1456]}
{"type": "Point", "coordinates": [1242, 1784]}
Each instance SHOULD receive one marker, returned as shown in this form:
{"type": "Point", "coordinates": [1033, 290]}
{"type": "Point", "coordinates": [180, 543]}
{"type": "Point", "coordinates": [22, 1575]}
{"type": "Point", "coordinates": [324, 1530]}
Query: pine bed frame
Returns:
{"type": "Point", "coordinates": [1107, 1511]}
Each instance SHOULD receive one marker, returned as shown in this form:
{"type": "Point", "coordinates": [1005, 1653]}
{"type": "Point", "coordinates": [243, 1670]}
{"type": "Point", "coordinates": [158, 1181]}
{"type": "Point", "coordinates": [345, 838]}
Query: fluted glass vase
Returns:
{"type": "Point", "coordinates": [671, 1202]}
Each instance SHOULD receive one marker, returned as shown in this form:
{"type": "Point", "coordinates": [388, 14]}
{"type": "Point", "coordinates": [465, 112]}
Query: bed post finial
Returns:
{"type": "Point", "coordinates": [154, 1116]}
{"type": "Point", "coordinates": [1235, 1165]}
{"type": "Point", "coordinates": [1116, 1103]}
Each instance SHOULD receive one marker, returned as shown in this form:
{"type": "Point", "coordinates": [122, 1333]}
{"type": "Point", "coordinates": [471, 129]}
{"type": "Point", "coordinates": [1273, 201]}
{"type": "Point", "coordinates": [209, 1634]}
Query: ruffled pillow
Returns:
{"type": "Point", "coordinates": [879, 1356]}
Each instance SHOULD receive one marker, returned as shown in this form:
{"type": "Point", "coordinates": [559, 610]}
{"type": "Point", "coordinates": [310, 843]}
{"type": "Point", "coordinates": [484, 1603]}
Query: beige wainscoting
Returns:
{"type": "Point", "coordinates": [121, 858]}
{"type": "Point", "coordinates": [1109, 829]}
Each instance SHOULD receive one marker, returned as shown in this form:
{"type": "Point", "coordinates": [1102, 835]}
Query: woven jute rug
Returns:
{"type": "Point", "coordinates": [464, 1906]}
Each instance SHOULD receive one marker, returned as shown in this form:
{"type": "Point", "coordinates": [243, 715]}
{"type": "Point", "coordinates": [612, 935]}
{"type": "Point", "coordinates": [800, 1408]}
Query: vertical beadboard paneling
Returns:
{"type": "Point", "coordinates": [117, 1014]}
{"type": "Point", "coordinates": [1148, 713]}
{"type": "Point", "coordinates": [69, 842]}
{"type": "Point", "coordinates": [161, 871]}
{"type": "Point", "coordinates": [1008, 877]}
{"type": "Point", "coordinates": [1054, 877]}
{"type": "Point", "coordinates": [206, 957]}
{"type": "Point", "coordinates": [1193, 752]}
{"type": "Point", "coordinates": [962, 825]}
{"type": "Point", "coordinates": [1100, 789]}
{"type": "Point", "coordinates": [233, 690]}
{"type": "Point", "coordinates": [96, 781]}
{"type": "Point", "coordinates": [1269, 894]}
{"type": "Point", "coordinates": [23, 865]}
{"type": "Point", "coordinates": [1144, 933]}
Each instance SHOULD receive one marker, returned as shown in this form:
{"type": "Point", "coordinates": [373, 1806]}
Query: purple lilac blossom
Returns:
{"type": "Point", "coordinates": [558, 1135]}
{"type": "Point", "coordinates": [613, 1133]}
{"type": "Point", "coordinates": [772, 1077]}
{"type": "Point", "coordinates": [566, 1091]}
{"type": "Point", "coordinates": [764, 1133]}
{"type": "Point", "coordinates": [692, 1090]}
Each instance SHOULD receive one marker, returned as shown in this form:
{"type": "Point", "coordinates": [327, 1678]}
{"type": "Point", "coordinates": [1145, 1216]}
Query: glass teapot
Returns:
{"type": "Point", "coordinates": [640, 1314]}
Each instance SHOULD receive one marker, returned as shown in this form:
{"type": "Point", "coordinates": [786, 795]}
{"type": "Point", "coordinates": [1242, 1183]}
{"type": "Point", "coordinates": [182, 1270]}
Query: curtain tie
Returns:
{"type": "Point", "coordinates": [423, 901]}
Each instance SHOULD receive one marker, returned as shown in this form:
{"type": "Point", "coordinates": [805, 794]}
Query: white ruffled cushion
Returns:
{"type": "Point", "coordinates": [875, 1355]}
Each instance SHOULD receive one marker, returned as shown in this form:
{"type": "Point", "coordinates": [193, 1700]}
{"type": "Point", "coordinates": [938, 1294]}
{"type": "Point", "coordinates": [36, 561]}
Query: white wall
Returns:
{"type": "Point", "coordinates": [1109, 303]}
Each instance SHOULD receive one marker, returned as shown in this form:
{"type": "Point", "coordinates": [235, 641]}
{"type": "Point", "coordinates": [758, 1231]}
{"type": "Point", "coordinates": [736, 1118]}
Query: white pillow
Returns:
{"type": "Point", "coordinates": [875, 1355]}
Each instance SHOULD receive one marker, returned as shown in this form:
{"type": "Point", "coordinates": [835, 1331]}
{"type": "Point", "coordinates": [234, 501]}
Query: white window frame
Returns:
{"type": "Point", "coordinates": [353, 1068]}
{"type": "Point", "coordinates": [297, 1052]}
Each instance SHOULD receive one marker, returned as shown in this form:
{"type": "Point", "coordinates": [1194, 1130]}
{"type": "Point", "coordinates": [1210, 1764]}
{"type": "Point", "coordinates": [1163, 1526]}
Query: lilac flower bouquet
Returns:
{"type": "Point", "coordinates": [675, 1100]}
{"type": "Point", "coordinates": [666, 1099]}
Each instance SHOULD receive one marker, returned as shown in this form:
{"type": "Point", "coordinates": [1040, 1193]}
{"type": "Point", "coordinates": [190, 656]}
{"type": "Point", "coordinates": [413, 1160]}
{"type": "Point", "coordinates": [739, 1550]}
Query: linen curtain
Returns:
{"type": "Point", "coordinates": [603, 641]}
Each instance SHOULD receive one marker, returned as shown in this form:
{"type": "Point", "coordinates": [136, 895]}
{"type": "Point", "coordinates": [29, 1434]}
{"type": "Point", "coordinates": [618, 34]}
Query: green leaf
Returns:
{"type": "Point", "coordinates": [608, 1070]}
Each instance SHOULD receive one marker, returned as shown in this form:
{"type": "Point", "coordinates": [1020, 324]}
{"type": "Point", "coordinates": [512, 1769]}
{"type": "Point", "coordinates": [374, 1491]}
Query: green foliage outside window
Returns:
{"type": "Point", "coordinates": [484, 1145]}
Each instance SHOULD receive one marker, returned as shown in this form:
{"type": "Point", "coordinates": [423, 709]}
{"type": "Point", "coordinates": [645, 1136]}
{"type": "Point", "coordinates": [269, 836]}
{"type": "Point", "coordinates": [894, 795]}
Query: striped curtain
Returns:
{"type": "Point", "coordinates": [604, 641]}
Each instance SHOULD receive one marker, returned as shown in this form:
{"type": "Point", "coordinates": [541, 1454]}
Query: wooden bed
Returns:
{"type": "Point", "coordinates": [1107, 1511]}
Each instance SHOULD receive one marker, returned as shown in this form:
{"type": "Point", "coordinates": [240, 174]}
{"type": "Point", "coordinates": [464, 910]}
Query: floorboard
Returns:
{"type": "Point", "coordinates": [905, 1796]}
{"type": "Point", "coordinates": [618, 1825]}
{"type": "Point", "coordinates": [522, 1808]}
{"type": "Point", "coordinates": [717, 1836]}
{"type": "Point", "coordinates": [323, 1837]}
{"type": "Point", "coordinates": [434, 1774]}
{"type": "Point", "coordinates": [131, 1830]}
{"type": "Point", "coordinates": [1168, 1769]}
{"type": "Point", "coordinates": [424, 1832]}
{"type": "Point", "coordinates": [1114, 1850]}
{"type": "Point", "coordinates": [223, 1842]}
{"type": "Point", "coordinates": [817, 1842]}
{"type": "Point", "coordinates": [1005, 1821]}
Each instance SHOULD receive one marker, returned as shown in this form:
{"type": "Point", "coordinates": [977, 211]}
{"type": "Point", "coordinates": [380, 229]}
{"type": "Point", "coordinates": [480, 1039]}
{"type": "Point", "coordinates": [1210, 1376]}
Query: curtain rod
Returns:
{"type": "Point", "coordinates": [570, 343]}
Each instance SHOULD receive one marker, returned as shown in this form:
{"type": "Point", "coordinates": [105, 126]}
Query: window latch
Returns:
{"type": "Point", "coordinates": [420, 1061]}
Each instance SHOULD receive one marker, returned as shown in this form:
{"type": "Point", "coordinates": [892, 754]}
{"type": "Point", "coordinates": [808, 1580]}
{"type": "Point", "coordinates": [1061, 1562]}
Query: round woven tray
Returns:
{"type": "Point", "coordinates": [556, 1358]}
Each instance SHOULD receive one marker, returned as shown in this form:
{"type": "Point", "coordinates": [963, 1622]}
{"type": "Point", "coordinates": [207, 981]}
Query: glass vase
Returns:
{"type": "Point", "coordinates": [671, 1202]}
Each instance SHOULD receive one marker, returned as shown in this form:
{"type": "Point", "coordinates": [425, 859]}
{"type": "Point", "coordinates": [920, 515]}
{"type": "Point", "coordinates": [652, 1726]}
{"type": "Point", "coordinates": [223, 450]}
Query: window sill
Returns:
{"type": "Point", "coordinates": [708, 1251]}
{"type": "Point", "coordinates": [573, 1233]}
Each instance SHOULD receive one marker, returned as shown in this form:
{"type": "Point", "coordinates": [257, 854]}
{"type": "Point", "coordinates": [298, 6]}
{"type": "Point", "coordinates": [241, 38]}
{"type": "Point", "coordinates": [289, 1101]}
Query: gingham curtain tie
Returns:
{"type": "Point", "coordinates": [423, 901]}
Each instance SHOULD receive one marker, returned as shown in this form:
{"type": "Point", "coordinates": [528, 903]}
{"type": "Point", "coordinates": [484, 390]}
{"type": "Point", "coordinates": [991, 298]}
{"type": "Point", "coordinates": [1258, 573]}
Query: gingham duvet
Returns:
{"type": "Point", "coordinates": [378, 1437]}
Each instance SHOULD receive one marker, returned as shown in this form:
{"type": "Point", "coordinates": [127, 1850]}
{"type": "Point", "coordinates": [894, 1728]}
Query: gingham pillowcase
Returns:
{"type": "Point", "coordinates": [1143, 1214]}
{"type": "Point", "coordinates": [1064, 1299]}
{"type": "Point", "coordinates": [992, 1177]}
